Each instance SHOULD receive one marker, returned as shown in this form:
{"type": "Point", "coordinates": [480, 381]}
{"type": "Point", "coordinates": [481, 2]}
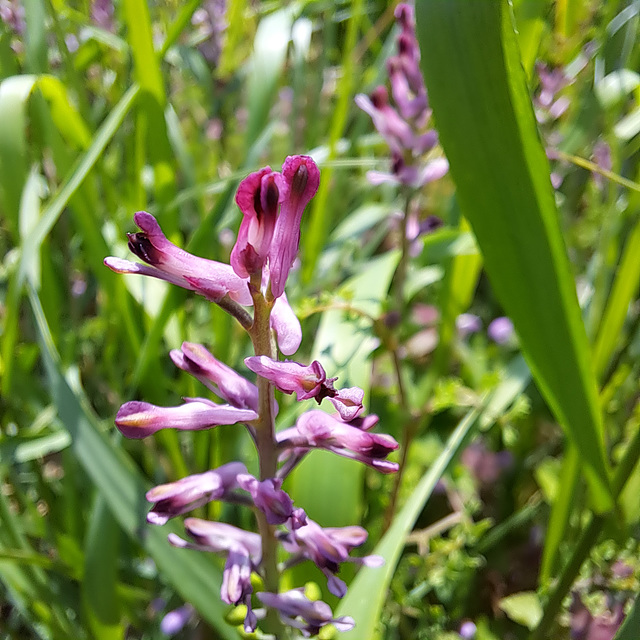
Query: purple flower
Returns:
{"type": "Point", "coordinates": [166, 261]}
{"type": "Point", "coordinates": [308, 382]}
{"type": "Point", "coordinates": [468, 630]}
{"type": "Point", "coordinates": [602, 157]}
{"type": "Point", "coordinates": [218, 377]}
{"type": "Point", "coordinates": [286, 326]}
{"type": "Point", "coordinates": [327, 548]}
{"type": "Point", "coordinates": [316, 429]}
{"type": "Point", "coordinates": [501, 330]}
{"type": "Point", "coordinates": [175, 498]}
{"type": "Point", "coordinates": [297, 611]}
{"type": "Point", "coordinates": [301, 179]}
{"type": "Point", "coordinates": [243, 557]}
{"type": "Point", "coordinates": [259, 196]}
{"type": "Point", "coordinates": [269, 497]}
{"type": "Point", "coordinates": [175, 620]}
{"type": "Point", "coordinates": [140, 419]}
{"type": "Point", "coordinates": [467, 323]}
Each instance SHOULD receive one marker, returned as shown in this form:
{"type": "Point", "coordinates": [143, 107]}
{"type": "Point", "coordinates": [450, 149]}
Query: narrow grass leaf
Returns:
{"type": "Point", "coordinates": [193, 575]}
{"type": "Point", "coordinates": [481, 103]}
{"type": "Point", "coordinates": [365, 597]}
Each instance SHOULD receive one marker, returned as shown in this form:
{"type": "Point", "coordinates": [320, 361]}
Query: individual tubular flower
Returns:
{"type": "Point", "coordinates": [166, 261]}
{"type": "Point", "coordinates": [308, 382]}
{"type": "Point", "coordinates": [468, 323]}
{"type": "Point", "coordinates": [298, 611]}
{"type": "Point", "coordinates": [175, 620]}
{"type": "Point", "coordinates": [243, 557]}
{"type": "Point", "coordinates": [258, 197]}
{"type": "Point", "coordinates": [301, 179]}
{"type": "Point", "coordinates": [175, 498]}
{"type": "Point", "coordinates": [140, 419]}
{"type": "Point", "coordinates": [269, 497]}
{"type": "Point", "coordinates": [327, 548]}
{"type": "Point", "coordinates": [316, 429]}
{"type": "Point", "coordinates": [218, 377]}
{"type": "Point", "coordinates": [501, 330]}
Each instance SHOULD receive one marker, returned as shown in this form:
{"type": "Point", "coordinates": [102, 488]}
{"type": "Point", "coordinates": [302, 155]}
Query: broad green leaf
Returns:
{"type": "Point", "coordinates": [523, 608]}
{"type": "Point", "coordinates": [193, 575]}
{"type": "Point", "coordinates": [365, 597]}
{"type": "Point", "coordinates": [483, 111]}
{"type": "Point", "coordinates": [629, 628]}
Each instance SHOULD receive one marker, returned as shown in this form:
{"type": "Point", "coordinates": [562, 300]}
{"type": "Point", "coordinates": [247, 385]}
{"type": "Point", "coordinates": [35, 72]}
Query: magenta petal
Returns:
{"type": "Point", "coordinates": [140, 419]}
{"type": "Point", "coordinates": [286, 325]}
{"type": "Point", "coordinates": [301, 178]}
{"type": "Point", "coordinates": [348, 403]}
{"type": "Point", "coordinates": [168, 262]}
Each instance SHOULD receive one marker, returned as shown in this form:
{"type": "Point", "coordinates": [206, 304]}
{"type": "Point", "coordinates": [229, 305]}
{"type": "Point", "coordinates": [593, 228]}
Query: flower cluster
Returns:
{"type": "Point", "coordinates": [272, 204]}
{"type": "Point", "coordinates": [405, 129]}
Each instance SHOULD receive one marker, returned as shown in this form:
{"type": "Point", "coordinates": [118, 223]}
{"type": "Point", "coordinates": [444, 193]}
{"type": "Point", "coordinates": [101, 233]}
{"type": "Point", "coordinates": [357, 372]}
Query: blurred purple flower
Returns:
{"type": "Point", "coordinates": [547, 105]}
{"type": "Point", "coordinates": [12, 14]}
{"type": "Point", "coordinates": [602, 157]}
{"type": "Point", "coordinates": [210, 22]}
{"type": "Point", "coordinates": [175, 498]}
{"type": "Point", "coordinates": [500, 330]}
{"type": "Point", "coordinates": [585, 626]}
{"type": "Point", "coordinates": [175, 620]}
{"type": "Point", "coordinates": [140, 419]}
{"type": "Point", "coordinates": [485, 465]}
{"type": "Point", "coordinates": [468, 630]}
{"type": "Point", "coordinates": [297, 611]}
{"type": "Point", "coordinates": [467, 323]}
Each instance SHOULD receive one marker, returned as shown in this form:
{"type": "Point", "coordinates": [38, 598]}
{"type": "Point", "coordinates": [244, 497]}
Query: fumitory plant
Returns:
{"type": "Point", "coordinates": [252, 290]}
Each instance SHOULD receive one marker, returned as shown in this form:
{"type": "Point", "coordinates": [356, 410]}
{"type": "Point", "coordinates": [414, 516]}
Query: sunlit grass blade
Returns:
{"type": "Point", "coordinates": [365, 597]}
{"type": "Point", "coordinates": [483, 111]}
{"type": "Point", "coordinates": [193, 575]}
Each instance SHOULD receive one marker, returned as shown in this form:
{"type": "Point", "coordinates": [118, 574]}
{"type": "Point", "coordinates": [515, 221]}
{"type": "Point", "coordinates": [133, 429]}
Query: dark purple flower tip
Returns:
{"type": "Point", "coordinates": [501, 330]}
{"type": "Point", "coordinates": [196, 360]}
{"type": "Point", "coordinates": [175, 498]}
{"type": "Point", "coordinates": [140, 419]}
{"type": "Point", "coordinates": [166, 261]}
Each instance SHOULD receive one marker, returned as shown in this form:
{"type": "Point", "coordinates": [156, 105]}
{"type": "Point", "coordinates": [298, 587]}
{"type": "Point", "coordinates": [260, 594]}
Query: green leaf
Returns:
{"type": "Point", "coordinates": [193, 575]}
{"type": "Point", "coordinates": [523, 608]}
{"type": "Point", "coordinates": [481, 103]}
{"type": "Point", "coordinates": [365, 597]}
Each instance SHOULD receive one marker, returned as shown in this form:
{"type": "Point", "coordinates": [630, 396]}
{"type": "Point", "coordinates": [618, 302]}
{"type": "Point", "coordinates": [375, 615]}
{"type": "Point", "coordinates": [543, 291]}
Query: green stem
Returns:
{"type": "Point", "coordinates": [265, 439]}
{"type": "Point", "coordinates": [586, 541]}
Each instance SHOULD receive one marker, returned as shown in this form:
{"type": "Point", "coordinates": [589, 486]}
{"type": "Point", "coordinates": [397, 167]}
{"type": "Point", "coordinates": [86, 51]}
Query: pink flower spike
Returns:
{"type": "Point", "coordinates": [166, 261]}
{"type": "Point", "coordinates": [301, 178]}
{"type": "Point", "coordinates": [286, 325]}
{"type": "Point", "coordinates": [290, 377]}
{"type": "Point", "coordinates": [258, 197]}
{"type": "Point", "coordinates": [218, 377]}
{"type": "Point", "coordinates": [140, 419]}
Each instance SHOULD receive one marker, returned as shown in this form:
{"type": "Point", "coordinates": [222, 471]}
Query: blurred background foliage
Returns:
{"type": "Point", "coordinates": [110, 107]}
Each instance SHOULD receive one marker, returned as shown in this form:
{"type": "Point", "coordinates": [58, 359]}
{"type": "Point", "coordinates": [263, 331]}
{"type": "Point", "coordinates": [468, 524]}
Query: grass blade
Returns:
{"type": "Point", "coordinates": [193, 575]}
{"type": "Point", "coordinates": [481, 103]}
